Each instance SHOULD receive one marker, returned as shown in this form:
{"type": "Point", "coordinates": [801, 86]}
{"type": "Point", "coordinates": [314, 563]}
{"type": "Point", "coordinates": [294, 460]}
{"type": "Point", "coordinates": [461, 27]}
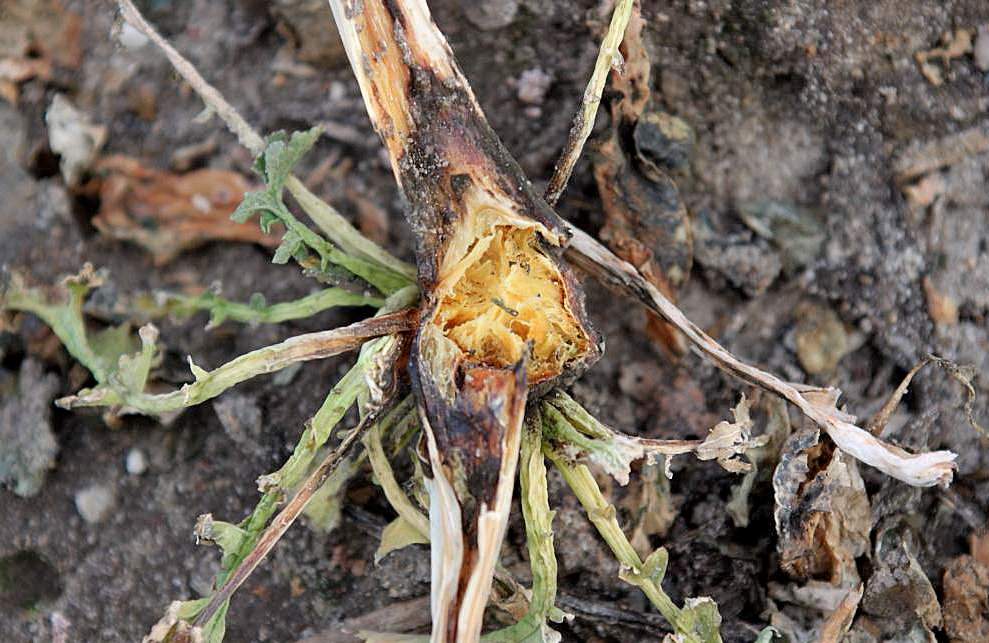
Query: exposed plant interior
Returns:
{"type": "Point", "coordinates": [505, 293]}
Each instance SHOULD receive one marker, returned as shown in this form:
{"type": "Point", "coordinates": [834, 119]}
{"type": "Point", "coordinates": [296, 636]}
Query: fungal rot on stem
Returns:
{"type": "Point", "coordinates": [501, 315]}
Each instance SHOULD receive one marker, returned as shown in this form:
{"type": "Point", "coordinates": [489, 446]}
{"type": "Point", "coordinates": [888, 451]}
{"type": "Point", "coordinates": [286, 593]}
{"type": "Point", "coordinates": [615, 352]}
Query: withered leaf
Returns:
{"type": "Point", "coordinates": [646, 222]}
{"type": "Point", "coordinates": [168, 213]}
{"type": "Point", "coordinates": [899, 592]}
{"type": "Point", "coordinates": [822, 511]}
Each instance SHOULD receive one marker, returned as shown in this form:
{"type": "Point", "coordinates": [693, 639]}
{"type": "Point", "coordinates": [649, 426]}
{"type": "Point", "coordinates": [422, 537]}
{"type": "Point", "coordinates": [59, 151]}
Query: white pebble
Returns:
{"type": "Point", "coordinates": [136, 463]}
{"type": "Point", "coordinates": [131, 38]}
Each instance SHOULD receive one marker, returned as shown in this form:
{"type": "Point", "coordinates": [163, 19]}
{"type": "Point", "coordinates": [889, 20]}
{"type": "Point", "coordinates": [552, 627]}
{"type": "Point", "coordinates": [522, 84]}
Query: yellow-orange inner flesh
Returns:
{"type": "Point", "coordinates": [510, 293]}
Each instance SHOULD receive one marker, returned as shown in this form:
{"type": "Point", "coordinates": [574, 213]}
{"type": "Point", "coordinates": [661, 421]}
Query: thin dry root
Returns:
{"type": "Point", "coordinates": [918, 469]}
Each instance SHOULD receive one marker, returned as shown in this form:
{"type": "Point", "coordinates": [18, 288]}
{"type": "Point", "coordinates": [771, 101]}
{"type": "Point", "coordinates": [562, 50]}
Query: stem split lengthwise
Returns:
{"type": "Point", "coordinates": [500, 311]}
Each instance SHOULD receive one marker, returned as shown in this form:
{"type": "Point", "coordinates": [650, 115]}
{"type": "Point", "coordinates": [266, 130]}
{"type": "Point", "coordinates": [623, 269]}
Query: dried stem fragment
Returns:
{"type": "Point", "coordinates": [298, 503]}
{"type": "Point", "coordinates": [922, 470]}
{"type": "Point", "coordinates": [583, 121]}
{"type": "Point", "coordinates": [269, 359]}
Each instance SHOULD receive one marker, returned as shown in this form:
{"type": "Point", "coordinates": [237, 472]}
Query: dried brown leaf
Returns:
{"type": "Point", "coordinates": [646, 222]}
{"type": "Point", "coordinates": [168, 213]}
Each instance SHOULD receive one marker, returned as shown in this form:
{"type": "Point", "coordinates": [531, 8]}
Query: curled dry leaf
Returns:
{"type": "Point", "coordinates": [646, 222]}
{"type": "Point", "coordinates": [899, 592]}
{"type": "Point", "coordinates": [822, 511]}
{"type": "Point", "coordinates": [168, 213]}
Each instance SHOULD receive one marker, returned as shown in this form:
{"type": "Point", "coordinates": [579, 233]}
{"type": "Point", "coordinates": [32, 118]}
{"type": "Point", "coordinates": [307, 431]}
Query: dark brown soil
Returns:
{"type": "Point", "coordinates": [805, 104]}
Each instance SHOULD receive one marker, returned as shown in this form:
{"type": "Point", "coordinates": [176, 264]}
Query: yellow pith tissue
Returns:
{"type": "Point", "coordinates": [511, 294]}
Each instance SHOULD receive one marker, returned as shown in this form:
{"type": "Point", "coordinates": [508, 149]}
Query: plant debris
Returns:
{"type": "Point", "coordinates": [167, 213]}
{"type": "Point", "coordinates": [646, 222]}
{"type": "Point", "coordinates": [73, 137]}
{"type": "Point", "coordinates": [822, 511]}
{"type": "Point", "coordinates": [954, 45]}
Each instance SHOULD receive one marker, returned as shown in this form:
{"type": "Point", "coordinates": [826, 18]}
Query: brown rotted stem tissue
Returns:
{"type": "Point", "coordinates": [501, 313]}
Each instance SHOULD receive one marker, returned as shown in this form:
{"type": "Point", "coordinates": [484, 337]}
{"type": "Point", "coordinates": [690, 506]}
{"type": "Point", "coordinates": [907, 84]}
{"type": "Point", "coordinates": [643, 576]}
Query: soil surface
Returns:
{"type": "Point", "coordinates": [812, 108]}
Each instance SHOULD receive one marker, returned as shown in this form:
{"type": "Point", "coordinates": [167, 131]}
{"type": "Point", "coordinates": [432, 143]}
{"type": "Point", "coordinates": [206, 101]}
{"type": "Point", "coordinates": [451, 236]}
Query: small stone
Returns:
{"type": "Point", "coordinates": [821, 338]}
{"type": "Point", "coordinates": [304, 23]}
{"type": "Point", "coordinates": [533, 85]}
{"type": "Point", "coordinates": [95, 503]}
{"type": "Point", "coordinates": [981, 49]}
{"type": "Point", "coordinates": [490, 14]}
{"type": "Point", "coordinates": [131, 38]}
{"type": "Point", "coordinates": [136, 464]}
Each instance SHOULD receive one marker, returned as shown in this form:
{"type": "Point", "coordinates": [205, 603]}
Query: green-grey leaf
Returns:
{"type": "Point", "coordinates": [281, 156]}
{"type": "Point", "coordinates": [291, 244]}
{"type": "Point", "coordinates": [251, 203]}
{"type": "Point", "coordinates": [397, 534]}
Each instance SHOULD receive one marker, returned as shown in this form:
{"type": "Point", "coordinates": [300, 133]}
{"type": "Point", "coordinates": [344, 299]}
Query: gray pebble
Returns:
{"type": "Point", "coordinates": [95, 503]}
{"type": "Point", "coordinates": [490, 14]}
{"type": "Point", "coordinates": [981, 49]}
